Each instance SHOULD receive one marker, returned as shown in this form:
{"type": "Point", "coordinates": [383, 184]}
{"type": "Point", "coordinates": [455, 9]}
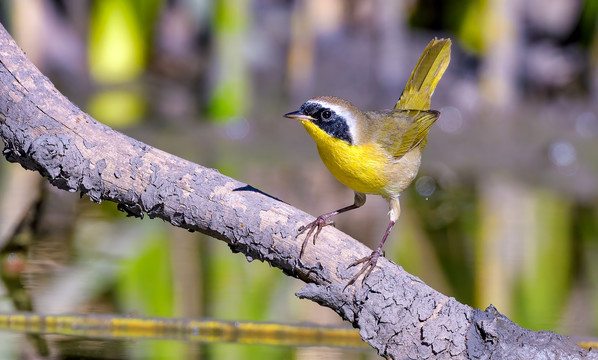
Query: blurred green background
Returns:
{"type": "Point", "coordinates": [504, 211]}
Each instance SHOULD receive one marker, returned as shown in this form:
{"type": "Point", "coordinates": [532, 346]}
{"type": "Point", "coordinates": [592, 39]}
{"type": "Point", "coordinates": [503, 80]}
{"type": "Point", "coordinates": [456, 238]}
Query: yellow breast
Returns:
{"type": "Point", "coordinates": [362, 167]}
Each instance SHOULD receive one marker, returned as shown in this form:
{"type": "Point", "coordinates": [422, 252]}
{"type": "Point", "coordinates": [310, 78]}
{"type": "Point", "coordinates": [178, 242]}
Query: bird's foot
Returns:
{"type": "Point", "coordinates": [313, 228]}
{"type": "Point", "coordinates": [370, 263]}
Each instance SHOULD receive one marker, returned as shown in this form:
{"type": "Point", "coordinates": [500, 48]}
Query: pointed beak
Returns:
{"type": "Point", "coordinates": [298, 115]}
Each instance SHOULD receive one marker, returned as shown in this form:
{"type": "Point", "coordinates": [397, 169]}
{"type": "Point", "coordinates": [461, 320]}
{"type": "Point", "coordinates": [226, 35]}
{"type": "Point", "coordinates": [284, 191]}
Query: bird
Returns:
{"type": "Point", "coordinates": [374, 152]}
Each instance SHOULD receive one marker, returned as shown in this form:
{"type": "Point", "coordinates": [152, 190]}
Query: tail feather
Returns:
{"type": "Point", "coordinates": [424, 78]}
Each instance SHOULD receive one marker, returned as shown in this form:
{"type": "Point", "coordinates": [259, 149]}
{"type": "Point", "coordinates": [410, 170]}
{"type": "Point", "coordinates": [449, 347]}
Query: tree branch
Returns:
{"type": "Point", "coordinates": [396, 312]}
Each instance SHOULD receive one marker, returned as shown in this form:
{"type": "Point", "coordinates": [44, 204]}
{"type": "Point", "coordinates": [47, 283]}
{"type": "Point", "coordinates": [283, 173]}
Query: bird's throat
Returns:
{"type": "Point", "coordinates": [360, 167]}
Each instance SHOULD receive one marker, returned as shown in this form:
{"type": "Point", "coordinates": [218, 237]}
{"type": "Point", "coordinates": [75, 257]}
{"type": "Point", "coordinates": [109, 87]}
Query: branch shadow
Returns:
{"type": "Point", "coordinates": [252, 189]}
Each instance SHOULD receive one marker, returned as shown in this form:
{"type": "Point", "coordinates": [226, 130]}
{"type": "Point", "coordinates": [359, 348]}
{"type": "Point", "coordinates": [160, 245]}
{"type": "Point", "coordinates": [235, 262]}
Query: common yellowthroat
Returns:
{"type": "Point", "coordinates": [375, 152]}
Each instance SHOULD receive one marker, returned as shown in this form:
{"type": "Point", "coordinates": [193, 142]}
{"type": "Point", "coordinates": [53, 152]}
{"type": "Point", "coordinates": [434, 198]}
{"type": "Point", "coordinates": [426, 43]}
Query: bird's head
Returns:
{"type": "Point", "coordinates": [336, 117]}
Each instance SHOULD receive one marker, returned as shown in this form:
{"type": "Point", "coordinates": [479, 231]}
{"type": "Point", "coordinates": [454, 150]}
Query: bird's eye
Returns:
{"type": "Point", "coordinates": [326, 114]}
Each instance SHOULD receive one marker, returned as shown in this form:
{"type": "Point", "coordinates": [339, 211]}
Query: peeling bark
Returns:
{"type": "Point", "coordinates": [396, 312]}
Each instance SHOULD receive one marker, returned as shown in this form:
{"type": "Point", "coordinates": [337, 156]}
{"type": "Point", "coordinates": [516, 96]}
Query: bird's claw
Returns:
{"type": "Point", "coordinates": [313, 228]}
{"type": "Point", "coordinates": [370, 263]}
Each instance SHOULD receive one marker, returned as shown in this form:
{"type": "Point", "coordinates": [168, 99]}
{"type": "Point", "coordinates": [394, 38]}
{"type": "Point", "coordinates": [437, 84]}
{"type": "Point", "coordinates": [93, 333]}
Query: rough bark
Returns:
{"type": "Point", "coordinates": [399, 315]}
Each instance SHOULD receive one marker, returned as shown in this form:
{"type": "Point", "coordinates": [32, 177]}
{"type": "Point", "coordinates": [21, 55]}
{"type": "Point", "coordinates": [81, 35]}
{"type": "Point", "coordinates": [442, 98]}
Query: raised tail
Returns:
{"type": "Point", "coordinates": [424, 78]}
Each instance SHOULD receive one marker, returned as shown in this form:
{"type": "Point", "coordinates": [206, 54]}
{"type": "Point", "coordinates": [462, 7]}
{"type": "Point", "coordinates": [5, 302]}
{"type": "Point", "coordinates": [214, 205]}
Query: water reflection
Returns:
{"type": "Point", "coordinates": [98, 335]}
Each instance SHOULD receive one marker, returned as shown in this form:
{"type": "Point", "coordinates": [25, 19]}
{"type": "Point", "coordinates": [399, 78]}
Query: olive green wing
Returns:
{"type": "Point", "coordinates": [405, 130]}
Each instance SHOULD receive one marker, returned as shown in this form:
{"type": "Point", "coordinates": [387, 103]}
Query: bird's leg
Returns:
{"type": "Point", "coordinates": [371, 260]}
{"type": "Point", "coordinates": [314, 227]}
